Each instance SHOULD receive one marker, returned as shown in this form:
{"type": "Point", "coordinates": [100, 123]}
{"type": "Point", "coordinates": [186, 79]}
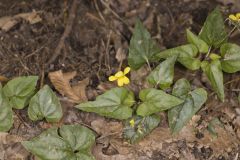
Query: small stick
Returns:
{"type": "Point", "coordinates": [66, 32]}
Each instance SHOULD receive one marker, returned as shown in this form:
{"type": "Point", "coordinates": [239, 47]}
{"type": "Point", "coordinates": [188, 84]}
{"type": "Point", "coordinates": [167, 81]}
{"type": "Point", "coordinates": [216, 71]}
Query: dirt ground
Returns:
{"type": "Point", "coordinates": [56, 36]}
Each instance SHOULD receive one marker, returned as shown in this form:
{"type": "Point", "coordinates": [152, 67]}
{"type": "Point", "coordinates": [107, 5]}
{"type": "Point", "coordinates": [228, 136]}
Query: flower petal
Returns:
{"type": "Point", "coordinates": [125, 80]}
{"type": "Point", "coordinates": [238, 16]}
{"type": "Point", "coordinates": [232, 17]}
{"type": "Point", "coordinates": [120, 82]}
{"type": "Point", "coordinates": [112, 78]}
{"type": "Point", "coordinates": [126, 70]}
{"type": "Point", "coordinates": [119, 74]}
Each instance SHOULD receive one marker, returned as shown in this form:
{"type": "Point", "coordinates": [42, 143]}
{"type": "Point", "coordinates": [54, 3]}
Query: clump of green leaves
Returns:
{"type": "Point", "coordinates": [117, 103]}
{"type": "Point", "coordinates": [194, 55]}
{"type": "Point", "coordinates": [15, 95]}
{"type": "Point", "coordinates": [66, 142]}
{"type": "Point", "coordinates": [140, 127]}
{"type": "Point", "coordinates": [19, 93]}
{"type": "Point", "coordinates": [193, 100]}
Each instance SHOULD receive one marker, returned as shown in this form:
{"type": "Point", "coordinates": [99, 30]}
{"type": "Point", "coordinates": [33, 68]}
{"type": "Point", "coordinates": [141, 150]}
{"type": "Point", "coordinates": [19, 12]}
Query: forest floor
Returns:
{"type": "Point", "coordinates": [84, 38]}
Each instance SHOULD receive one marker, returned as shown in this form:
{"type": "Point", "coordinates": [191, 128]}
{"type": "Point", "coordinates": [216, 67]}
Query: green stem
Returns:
{"type": "Point", "coordinates": [209, 50]}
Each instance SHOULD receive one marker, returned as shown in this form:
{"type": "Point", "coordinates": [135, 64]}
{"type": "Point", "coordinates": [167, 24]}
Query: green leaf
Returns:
{"type": "Point", "coordinates": [20, 90]}
{"type": "Point", "coordinates": [194, 39]}
{"type": "Point", "coordinates": [214, 73]}
{"type": "Point", "coordinates": [142, 127]}
{"type": "Point", "coordinates": [142, 48]}
{"type": "Point", "coordinates": [70, 142]}
{"type": "Point", "coordinates": [45, 104]}
{"type": "Point", "coordinates": [214, 56]}
{"type": "Point", "coordinates": [213, 124]}
{"type": "Point", "coordinates": [180, 115]}
{"type": "Point", "coordinates": [163, 74]}
{"type": "Point", "coordinates": [213, 31]}
{"type": "Point", "coordinates": [188, 50]}
{"type": "Point", "coordinates": [185, 53]}
{"type": "Point", "coordinates": [115, 103]}
{"type": "Point", "coordinates": [6, 114]}
{"type": "Point", "coordinates": [154, 101]}
{"type": "Point", "coordinates": [181, 88]}
{"type": "Point", "coordinates": [190, 62]}
{"type": "Point", "coordinates": [231, 57]}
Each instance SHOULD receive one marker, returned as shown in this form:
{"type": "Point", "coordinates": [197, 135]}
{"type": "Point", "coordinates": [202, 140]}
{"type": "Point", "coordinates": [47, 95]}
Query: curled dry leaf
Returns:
{"type": "Point", "coordinates": [61, 82]}
{"type": "Point", "coordinates": [7, 22]}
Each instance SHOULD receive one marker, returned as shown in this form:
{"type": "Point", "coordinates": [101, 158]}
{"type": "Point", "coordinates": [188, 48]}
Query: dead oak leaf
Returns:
{"type": "Point", "coordinates": [61, 81]}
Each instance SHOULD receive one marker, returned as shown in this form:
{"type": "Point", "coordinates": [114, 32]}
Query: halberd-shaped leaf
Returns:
{"type": "Point", "coordinates": [45, 104]}
{"type": "Point", "coordinates": [19, 90]}
{"type": "Point", "coordinates": [142, 127]}
{"type": "Point", "coordinates": [214, 73]}
{"type": "Point", "coordinates": [194, 39]}
{"type": "Point", "coordinates": [231, 57]}
{"type": "Point", "coordinates": [142, 48]}
{"type": "Point", "coordinates": [213, 31]}
{"type": "Point", "coordinates": [6, 114]}
{"type": "Point", "coordinates": [185, 53]}
{"type": "Point", "coordinates": [179, 116]}
{"type": "Point", "coordinates": [70, 142]}
{"type": "Point", "coordinates": [163, 74]}
{"type": "Point", "coordinates": [154, 101]}
{"type": "Point", "coordinates": [115, 103]}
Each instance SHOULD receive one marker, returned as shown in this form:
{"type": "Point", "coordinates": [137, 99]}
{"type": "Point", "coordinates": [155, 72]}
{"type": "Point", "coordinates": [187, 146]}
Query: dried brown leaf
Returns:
{"type": "Point", "coordinates": [120, 55]}
{"type": "Point", "coordinates": [7, 22]}
{"type": "Point", "coordinates": [61, 83]}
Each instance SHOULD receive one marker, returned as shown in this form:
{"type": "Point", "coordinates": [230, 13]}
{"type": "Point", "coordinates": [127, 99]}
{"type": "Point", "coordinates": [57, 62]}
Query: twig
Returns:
{"type": "Point", "coordinates": [116, 15]}
{"type": "Point", "coordinates": [66, 32]}
{"type": "Point", "coordinates": [21, 119]}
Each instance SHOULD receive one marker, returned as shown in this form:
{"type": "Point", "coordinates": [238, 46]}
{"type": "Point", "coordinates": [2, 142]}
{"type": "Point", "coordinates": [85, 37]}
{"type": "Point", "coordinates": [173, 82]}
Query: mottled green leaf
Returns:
{"type": "Point", "coordinates": [194, 39]}
{"type": "Point", "coordinates": [185, 53]}
{"type": "Point", "coordinates": [190, 62]}
{"type": "Point", "coordinates": [69, 142]}
{"type": "Point", "coordinates": [115, 103]}
{"type": "Point", "coordinates": [188, 50]}
{"type": "Point", "coordinates": [154, 101]}
{"type": "Point", "coordinates": [231, 57]}
{"type": "Point", "coordinates": [20, 90]}
{"type": "Point", "coordinates": [45, 104]}
{"type": "Point", "coordinates": [213, 31]}
{"type": "Point", "coordinates": [142, 126]}
{"type": "Point", "coordinates": [6, 113]}
{"type": "Point", "coordinates": [163, 74]}
{"type": "Point", "coordinates": [180, 115]}
{"type": "Point", "coordinates": [142, 48]}
{"type": "Point", "coordinates": [214, 73]}
{"type": "Point", "coordinates": [181, 88]}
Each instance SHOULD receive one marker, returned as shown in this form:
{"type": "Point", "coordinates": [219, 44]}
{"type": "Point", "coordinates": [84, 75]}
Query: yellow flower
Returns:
{"type": "Point", "coordinates": [121, 77]}
{"type": "Point", "coordinates": [234, 17]}
{"type": "Point", "coordinates": [132, 123]}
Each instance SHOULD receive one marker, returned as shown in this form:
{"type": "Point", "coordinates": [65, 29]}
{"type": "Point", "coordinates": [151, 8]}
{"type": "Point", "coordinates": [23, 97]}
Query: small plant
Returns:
{"type": "Point", "coordinates": [209, 51]}
{"type": "Point", "coordinates": [66, 142]}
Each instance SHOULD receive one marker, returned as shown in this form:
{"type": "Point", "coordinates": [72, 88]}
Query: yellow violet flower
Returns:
{"type": "Point", "coordinates": [234, 17]}
{"type": "Point", "coordinates": [121, 77]}
{"type": "Point", "coordinates": [132, 123]}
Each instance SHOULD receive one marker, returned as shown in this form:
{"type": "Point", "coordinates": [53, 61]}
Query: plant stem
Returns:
{"type": "Point", "coordinates": [209, 50]}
